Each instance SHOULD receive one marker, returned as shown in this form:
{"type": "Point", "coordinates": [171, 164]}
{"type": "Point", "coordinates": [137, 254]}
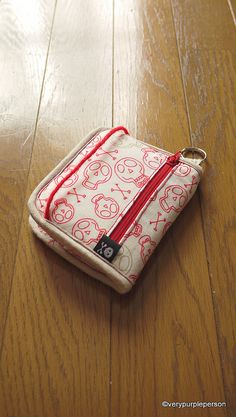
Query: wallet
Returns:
{"type": "Point", "coordinates": [108, 203]}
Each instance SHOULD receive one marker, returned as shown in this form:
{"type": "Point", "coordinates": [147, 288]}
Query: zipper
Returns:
{"type": "Point", "coordinates": [122, 227]}
{"type": "Point", "coordinates": [75, 169]}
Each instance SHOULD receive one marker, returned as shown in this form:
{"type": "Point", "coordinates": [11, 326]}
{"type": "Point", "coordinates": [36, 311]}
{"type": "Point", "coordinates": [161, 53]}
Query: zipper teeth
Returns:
{"type": "Point", "coordinates": [133, 211]}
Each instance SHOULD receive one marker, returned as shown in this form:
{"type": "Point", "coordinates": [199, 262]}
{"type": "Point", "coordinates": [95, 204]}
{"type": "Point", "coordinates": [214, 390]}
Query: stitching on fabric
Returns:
{"type": "Point", "coordinates": [59, 185]}
{"type": "Point", "coordinates": [149, 202]}
{"type": "Point", "coordinates": [68, 163]}
{"type": "Point", "coordinates": [85, 247]}
{"type": "Point", "coordinates": [123, 241]}
{"type": "Point", "coordinates": [129, 205]}
{"type": "Point", "coordinates": [63, 231]}
{"type": "Point", "coordinates": [197, 167]}
{"type": "Point", "coordinates": [125, 208]}
{"type": "Point", "coordinates": [77, 152]}
{"type": "Point", "coordinates": [146, 206]}
{"type": "Point", "coordinates": [80, 260]}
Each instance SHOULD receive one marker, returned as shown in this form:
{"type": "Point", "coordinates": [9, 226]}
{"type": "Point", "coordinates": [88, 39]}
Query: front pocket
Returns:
{"type": "Point", "coordinates": [138, 233]}
{"type": "Point", "coordinates": [121, 228]}
{"type": "Point", "coordinates": [109, 244]}
{"type": "Point", "coordinates": [90, 195]}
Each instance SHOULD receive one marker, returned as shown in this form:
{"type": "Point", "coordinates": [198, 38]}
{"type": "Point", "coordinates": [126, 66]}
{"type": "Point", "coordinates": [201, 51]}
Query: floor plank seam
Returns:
{"type": "Point", "coordinates": [232, 11]}
{"type": "Point", "coordinates": [201, 210]}
{"type": "Point", "coordinates": [110, 354]}
{"type": "Point", "coordinates": [27, 177]}
{"type": "Point", "coordinates": [213, 305]}
{"type": "Point", "coordinates": [182, 78]}
{"type": "Point", "coordinates": [42, 87]}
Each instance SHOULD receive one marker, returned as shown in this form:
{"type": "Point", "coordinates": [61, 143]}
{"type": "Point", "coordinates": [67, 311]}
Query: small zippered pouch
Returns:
{"type": "Point", "coordinates": [106, 206]}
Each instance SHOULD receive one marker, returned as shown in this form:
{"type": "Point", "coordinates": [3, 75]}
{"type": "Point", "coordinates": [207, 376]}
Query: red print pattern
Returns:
{"type": "Point", "coordinates": [159, 219]}
{"type": "Point", "coordinates": [78, 196]}
{"type": "Point", "coordinates": [94, 197]}
{"type": "Point", "coordinates": [133, 277]}
{"type": "Point", "coordinates": [131, 170]}
{"type": "Point", "coordinates": [87, 230]}
{"type": "Point", "coordinates": [147, 246]}
{"type": "Point", "coordinates": [42, 199]}
{"type": "Point", "coordinates": [101, 151]}
{"type": "Point", "coordinates": [190, 186]}
{"type": "Point", "coordinates": [182, 170]}
{"type": "Point", "coordinates": [136, 230]}
{"type": "Point", "coordinates": [166, 227]}
{"type": "Point", "coordinates": [105, 207]}
{"type": "Point", "coordinates": [63, 212]}
{"type": "Point", "coordinates": [70, 181]}
{"type": "Point", "coordinates": [152, 158]}
{"type": "Point", "coordinates": [174, 198]}
{"type": "Point", "coordinates": [91, 145]}
{"type": "Point", "coordinates": [123, 192]}
{"type": "Point", "coordinates": [97, 172]}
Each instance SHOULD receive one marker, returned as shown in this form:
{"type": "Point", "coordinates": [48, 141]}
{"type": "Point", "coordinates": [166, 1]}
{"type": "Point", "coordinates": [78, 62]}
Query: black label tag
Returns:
{"type": "Point", "coordinates": [107, 248]}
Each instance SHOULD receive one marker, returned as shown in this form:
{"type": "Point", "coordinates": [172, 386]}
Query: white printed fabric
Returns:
{"type": "Point", "coordinates": [92, 200]}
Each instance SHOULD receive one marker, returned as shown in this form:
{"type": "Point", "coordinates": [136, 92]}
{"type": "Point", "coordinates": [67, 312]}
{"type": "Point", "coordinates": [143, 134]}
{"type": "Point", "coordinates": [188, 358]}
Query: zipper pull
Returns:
{"type": "Point", "coordinates": [174, 159]}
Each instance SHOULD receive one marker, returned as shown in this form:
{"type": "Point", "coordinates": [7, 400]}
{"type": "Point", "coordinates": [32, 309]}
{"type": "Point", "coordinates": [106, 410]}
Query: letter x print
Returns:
{"type": "Point", "coordinates": [121, 190]}
{"type": "Point", "coordinates": [103, 152]}
{"type": "Point", "coordinates": [191, 184]}
{"type": "Point", "coordinates": [158, 220]}
{"type": "Point", "coordinates": [76, 194]}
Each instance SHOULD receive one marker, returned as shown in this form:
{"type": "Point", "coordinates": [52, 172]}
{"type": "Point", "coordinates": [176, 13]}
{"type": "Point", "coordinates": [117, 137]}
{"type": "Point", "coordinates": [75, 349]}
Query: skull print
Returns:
{"type": "Point", "coordinates": [63, 212]}
{"type": "Point", "coordinates": [87, 231]}
{"type": "Point", "coordinates": [182, 170]}
{"type": "Point", "coordinates": [152, 158]}
{"type": "Point", "coordinates": [91, 144]}
{"type": "Point", "coordinates": [124, 259]}
{"type": "Point", "coordinates": [97, 172]}
{"type": "Point", "coordinates": [70, 181]}
{"type": "Point", "coordinates": [131, 170]}
{"type": "Point", "coordinates": [95, 141]}
{"type": "Point", "coordinates": [166, 227]}
{"type": "Point", "coordinates": [108, 252]}
{"type": "Point", "coordinates": [105, 207]}
{"type": "Point", "coordinates": [147, 247]}
{"type": "Point", "coordinates": [133, 277]}
{"type": "Point", "coordinates": [174, 198]}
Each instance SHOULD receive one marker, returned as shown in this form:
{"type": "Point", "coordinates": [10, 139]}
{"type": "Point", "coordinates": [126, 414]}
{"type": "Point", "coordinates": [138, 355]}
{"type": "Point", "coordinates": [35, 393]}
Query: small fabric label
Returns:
{"type": "Point", "coordinates": [107, 248]}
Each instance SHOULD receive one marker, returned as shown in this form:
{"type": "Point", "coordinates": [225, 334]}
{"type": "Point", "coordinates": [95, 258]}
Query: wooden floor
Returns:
{"type": "Point", "coordinates": [70, 346]}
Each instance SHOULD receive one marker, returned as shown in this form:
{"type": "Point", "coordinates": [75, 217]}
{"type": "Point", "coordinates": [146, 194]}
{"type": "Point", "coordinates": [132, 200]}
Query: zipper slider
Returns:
{"type": "Point", "coordinates": [174, 159]}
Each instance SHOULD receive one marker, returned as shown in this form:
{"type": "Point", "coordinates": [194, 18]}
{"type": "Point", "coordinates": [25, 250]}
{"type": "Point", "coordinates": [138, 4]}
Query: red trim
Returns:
{"type": "Point", "coordinates": [107, 136]}
{"type": "Point", "coordinates": [143, 197]}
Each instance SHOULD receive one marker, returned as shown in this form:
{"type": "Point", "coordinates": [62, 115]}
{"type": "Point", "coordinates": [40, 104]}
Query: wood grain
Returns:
{"type": "Point", "coordinates": [208, 65]}
{"type": "Point", "coordinates": [71, 346]}
{"type": "Point", "coordinates": [232, 7]}
{"type": "Point", "coordinates": [164, 344]}
{"type": "Point", "coordinates": [55, 360]}
{"type": "Point", "coordinates": [23, 46]}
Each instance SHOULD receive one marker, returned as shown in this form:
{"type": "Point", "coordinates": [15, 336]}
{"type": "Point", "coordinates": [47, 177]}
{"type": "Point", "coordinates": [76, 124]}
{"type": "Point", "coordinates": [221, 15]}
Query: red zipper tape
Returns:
{"type": "Point", "coordinates": [59, 185]}
{"type": "Point", "coordinates": [143, 197]}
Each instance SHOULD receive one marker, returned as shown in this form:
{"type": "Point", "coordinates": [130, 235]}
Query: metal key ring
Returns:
{"type": "Point", "coordinates": [199, 151]}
